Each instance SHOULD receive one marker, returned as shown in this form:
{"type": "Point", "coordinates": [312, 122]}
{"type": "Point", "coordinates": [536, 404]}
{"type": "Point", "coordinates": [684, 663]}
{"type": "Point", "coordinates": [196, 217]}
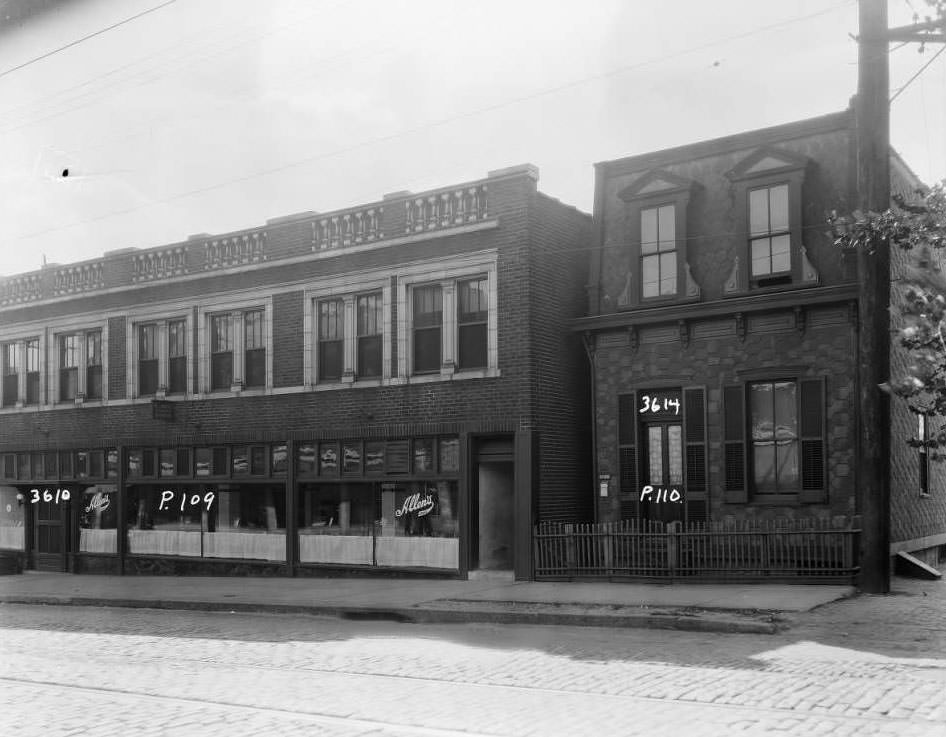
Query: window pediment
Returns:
{"type": "Point", "coordinates": [767, 160]}
{"type": "Point", "coordinates": [655, 182]}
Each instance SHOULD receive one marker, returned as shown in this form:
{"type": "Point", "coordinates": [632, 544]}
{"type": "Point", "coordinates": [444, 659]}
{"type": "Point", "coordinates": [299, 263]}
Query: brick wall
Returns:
{"type": "Point", "coordinates": [288, 339]}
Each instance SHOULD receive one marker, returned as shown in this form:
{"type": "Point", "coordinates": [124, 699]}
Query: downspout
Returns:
{"type": "Point", "coordinates": [588, 339]}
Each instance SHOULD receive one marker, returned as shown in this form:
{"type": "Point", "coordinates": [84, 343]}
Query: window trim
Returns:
{"type": "Point", "coordinates": [20, 340]}
{"type": "Point", "coordinates": [646, 193]}
{"type": "Point", "coordinates": [81, 327]}
{"type": "Point", "coordinates": [162, 318]}
{"type": "Point", "coordinates": [448, 276]}
{"type": "Point", "coordinates": [347, 290]}
{"type": "Point", "coordinates": [236, 308]}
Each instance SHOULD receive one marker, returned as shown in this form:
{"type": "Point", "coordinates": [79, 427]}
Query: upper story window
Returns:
{"type": "Point", "coordinates": [81, 365]}
{"type": "Point", "coordinates": [427, 328]}
{"type": "Point", "coordinates": [348, 331]}
{"type": "Point", "coordinates": [658, 251]}
{"type": "Point", "coordinates": [10, 357]}
{"type": "Point", "coordinates": [370, 328]}
{"type": "Point", "coordinates": [656, 225]}
{"type": "Point", "coordinates": [769, 234]}
{"type": "Point", "coordinates": [254, 349]}
{"type": "Point", "coordinates": [472, 323]}
{"type": "Point", "coordinates": [158, 350]}
{"type": "Point", "coordinates": [21, 369]}
{"type": "Point", "coordinates": [147, 359]}
{"type": "Point", "coordinates": [768, 190]}
{"type": "Point", "coordinates": [235, 346]}
{"type": "Point", "coordinates": [221, 353]}
{"type": "Point", "coordinates": [331, 339]}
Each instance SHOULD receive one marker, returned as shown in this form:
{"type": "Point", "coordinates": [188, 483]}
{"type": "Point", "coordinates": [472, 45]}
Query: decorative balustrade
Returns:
{"type": "Point", "coordinates": [19, 289]}
{"type": "Point", "coordinates": [79, 278]}
{"type": "Point", "coordinates": [348, 229]}
{"type": "Point", "coordinates": [235, 251]}
{"type": "Point", "coordinates": [161, 264]}
{"type": "Point", "coordinates": [446, 209]}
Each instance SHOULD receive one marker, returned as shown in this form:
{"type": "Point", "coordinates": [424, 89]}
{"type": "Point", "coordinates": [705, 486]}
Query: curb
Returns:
{"type": "Point", "coordinates": [429, 614]}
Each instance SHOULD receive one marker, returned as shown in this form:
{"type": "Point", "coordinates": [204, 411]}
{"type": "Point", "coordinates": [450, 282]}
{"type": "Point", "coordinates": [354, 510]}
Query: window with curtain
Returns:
{"type": "Point", "coordinates": [177, 357]}
{"type": "Point", "coordinates": [147, 359]}
{"type": "Point", "coordinates": [331, 339]}
{"type": "Point", "coordinates": [427, 327]}
{"type": "Point", "coordinates": [221, 353]}
{"type": "Point", "coordinates": [254, 347]}
{"type": "Point", "coordinates": [369, 331]}
{"type": "Point", "coordinates": [472, 321]}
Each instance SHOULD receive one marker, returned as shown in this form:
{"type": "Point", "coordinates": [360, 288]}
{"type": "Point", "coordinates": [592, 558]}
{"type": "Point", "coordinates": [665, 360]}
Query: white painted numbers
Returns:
{"type": "Point", "coordinates": [655, 404]}
{"type": "Point", "coordinates": [194, 500]}
{"type": "Point", "coordinates": [661, 494]}
{"type": "Point", "coordinates": [61, 495]}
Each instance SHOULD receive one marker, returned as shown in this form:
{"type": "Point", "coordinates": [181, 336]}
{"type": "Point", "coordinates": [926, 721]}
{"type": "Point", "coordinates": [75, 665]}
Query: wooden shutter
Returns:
{"type": "Point", "coordinates": [627, 454]}
{"type": "Point", "coordinates": [694, 433]}
{"type": "Point", "coordinates": [734, 443]}
{"type": "Point", "coordinates": [811, 425]}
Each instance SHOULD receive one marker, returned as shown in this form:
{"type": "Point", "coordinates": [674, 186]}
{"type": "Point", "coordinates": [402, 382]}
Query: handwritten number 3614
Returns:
{"type": "Point", "coordinates": [48, 496]}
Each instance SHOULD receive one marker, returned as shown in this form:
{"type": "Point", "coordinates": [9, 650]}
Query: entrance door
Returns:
{"type": "Point", "coordinates": [495, 515]}
{"type": "Point", "coordinates": [49, 532]}
{"type": "Point", "coordinates": [663, 471]}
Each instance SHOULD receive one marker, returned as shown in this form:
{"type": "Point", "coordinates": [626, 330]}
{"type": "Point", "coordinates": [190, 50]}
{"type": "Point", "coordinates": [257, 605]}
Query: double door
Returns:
{"type": "Point", "coordinates": [663, 472]}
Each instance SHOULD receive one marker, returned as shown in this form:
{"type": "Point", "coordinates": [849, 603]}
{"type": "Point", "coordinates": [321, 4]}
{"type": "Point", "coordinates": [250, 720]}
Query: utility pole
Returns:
{"type": "Point", "coordinates": [872, 116]}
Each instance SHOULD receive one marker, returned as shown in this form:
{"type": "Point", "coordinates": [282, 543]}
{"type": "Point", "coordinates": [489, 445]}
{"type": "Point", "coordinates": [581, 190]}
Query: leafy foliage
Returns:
{"type": "Point", "coordinates": [920, 228]}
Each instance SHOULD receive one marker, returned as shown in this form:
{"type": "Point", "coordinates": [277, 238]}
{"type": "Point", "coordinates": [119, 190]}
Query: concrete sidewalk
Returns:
{"type": "Point", "coordinates": [705, 607]}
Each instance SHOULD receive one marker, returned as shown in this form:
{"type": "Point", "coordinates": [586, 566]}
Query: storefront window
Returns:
{"type": "Point", "coordinates": [11, 519]}
{"type": "Point", "coordinates": [98, 519]}
{"type": "Point", "coordinates": [419, 524]}
{"type": "Point", "coordinates": [336, 523]}
{"type": "Point", "coordinates": [246, 521]}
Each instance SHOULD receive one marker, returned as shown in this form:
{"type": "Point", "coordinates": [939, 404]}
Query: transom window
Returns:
{"type": "Point", "coordinates": [773, 408]}
{"type": "Point", "coordinates": [769, 234]}
{"type": "Point", "coordinates": [658, 251]}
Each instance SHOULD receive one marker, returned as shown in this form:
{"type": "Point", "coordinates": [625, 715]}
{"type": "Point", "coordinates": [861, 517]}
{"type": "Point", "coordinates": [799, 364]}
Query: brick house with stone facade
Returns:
{"type": "Point", "coordinates": [722, 328]}
{"type": "Point", "coordinates": [387, 387]}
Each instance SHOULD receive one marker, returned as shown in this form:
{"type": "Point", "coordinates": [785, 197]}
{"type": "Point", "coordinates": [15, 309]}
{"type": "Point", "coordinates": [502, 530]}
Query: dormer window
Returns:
{"type": "Point", "coordinates": [769, 234]}
{"type": "Point", "coordinates": [658, 252]}
{"type": "Point", "coordinates": [768, 193]}
{"type": "Point", "coordinates": [656, 230]}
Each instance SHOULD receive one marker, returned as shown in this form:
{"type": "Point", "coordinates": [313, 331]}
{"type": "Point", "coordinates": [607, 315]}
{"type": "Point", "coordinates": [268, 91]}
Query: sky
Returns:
{"type": "Point", "coordinates": [208, 116]}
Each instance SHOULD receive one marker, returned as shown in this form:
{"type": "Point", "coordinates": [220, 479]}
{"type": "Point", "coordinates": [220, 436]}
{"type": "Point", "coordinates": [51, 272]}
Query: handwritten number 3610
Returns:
{"type": "Point", "coordinates": [48, 496]}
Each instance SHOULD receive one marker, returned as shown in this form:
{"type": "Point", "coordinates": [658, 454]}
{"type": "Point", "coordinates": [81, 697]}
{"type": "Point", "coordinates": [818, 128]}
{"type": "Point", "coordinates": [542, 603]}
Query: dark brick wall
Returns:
{"type": "Point", "coordinates": [116, 358]}
{"type": "Point", "coordinates": [826, 350]}
{"type": "Point", "coordinates": [911, 516]}
{"type": "Point", "coordinates": [288, 337]}
{"type": "Point", "coordinates": [560, 376]}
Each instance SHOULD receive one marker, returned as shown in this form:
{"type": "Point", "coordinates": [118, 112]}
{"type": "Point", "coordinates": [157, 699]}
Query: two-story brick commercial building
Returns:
{"type": "Point", "coordinates": [723, 328]}
{"type": "Point", "coordinates": [392, 386]}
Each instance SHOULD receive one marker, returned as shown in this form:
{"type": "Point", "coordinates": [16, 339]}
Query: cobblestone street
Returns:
{"type": "Point", "coordinates": [103, 671]}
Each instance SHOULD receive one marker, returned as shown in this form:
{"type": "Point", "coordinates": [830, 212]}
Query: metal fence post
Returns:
{"type": "Point", "coordinates": [570, 553]}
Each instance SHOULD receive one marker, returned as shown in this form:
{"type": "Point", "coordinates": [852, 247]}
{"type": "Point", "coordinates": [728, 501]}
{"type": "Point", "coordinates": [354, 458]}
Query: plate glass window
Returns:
{"type": "Point", "coordinates": [254, 349]}
{"type": "Point", "coordinates": [331, 339]}
{"type": "Point", "coordinates": [177, 357]}
{"type": "Point", "coordinates": [221, 353]}
{"type": "Point", "coordinates": [472, 317]}
{"type": "Point", "coordinates": [147, 359]}
{"type": "Point", "coordinates": [769, 239]}
{"type": "Point", "coordinates": [369, 335]}
{"type": "Point", "coordinates": [11, 373]}
{"type": "Point", "coordinates": [774, 430]}
{"type": "Point", "coordinates": [658, 251]}
{"type": "Point", "coordinates": [428, 320]}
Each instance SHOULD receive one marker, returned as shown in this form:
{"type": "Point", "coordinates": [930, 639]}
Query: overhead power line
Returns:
{"type": "Point", "coordinates": [85, 38]}
{"type": "Point", "coordinates": [922, 69]}
{"type": "Point", "coordinates": [443, 121]}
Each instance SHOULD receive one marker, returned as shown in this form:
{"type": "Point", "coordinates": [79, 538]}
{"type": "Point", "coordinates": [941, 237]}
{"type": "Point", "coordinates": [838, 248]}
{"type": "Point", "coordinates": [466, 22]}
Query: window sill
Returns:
{"type": "Point", "coordinates": [772, 500]}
